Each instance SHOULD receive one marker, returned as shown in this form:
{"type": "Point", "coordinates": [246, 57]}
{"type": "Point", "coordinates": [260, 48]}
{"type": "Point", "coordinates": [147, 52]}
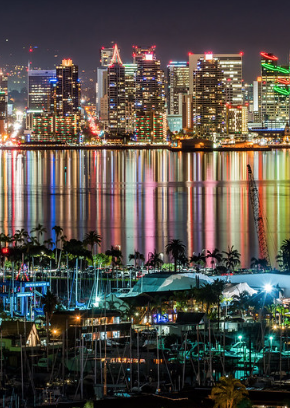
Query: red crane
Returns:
{"type": "Point", "coordinates": [258, 217]}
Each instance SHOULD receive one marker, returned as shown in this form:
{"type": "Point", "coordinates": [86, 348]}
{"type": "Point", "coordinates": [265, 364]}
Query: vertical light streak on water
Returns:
{"type": "Point", "coordinates": [52, 201]}
{"type": "Point", "coordinates": [129, 203]}
{"type": "Point", "coordinates": [149, 207]}
{"type": "Point", "coordinates": [209, 229]}
{"type": "Point", "coordinates": [19, 203]}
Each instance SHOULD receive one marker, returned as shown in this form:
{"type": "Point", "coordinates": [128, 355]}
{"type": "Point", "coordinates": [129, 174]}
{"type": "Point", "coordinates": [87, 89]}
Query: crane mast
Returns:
{"type": "Point", "coordinates": [258, 217]}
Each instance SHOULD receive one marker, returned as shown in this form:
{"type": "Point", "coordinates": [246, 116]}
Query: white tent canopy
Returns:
{"type": "Point", "coordinates": [235, 289]}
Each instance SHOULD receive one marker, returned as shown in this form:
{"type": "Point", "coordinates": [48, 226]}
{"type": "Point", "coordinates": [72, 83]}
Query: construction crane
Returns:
{"type": "Point", "coordinates": [258, 217]}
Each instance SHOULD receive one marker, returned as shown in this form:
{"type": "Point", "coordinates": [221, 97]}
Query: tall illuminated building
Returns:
{"type": "Point", "coordinates": [39, 89]}
{"type": "Point", "coordinates": [150, 96]}
{"type": "Point", "coordinates": [3, 104]}
{"type": "Point", "coordinates": [106, 54]}
{"type": "Point", "coordinates": [231, 67]}
{"type": "Point", "coordinates": [68, 89]}
{"type": "Point", "coordinates": [208, 98]}
{"type": "Point", "coordinates": [275, 92]}
{"type": "Point", "coordinates": [116, 95]}
{"type": "Point", "coordinates": [130, 95]}
{"type": "Point", "coordinates": [139, 53]}
{"type": "Point", "coordinates": [178, 85]}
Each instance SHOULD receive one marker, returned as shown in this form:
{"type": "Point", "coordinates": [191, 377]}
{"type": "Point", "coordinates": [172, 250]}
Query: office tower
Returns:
{"type": "Point", "coordinates": [116, 95]}
{"type": "Point", "coordinates": [208, 98]}
{"type": "Point", "coordinates": [106, 55]}
{"type": "Point", "coordinates": [3, 82]}
{"type": "Point", "coordinates": [231, 67]}
{"type": "Point", "coordinates": [275, 91]}
{"type": "Point", "coordinates": [187, 113]}
{"type": "Point", "coordinates": [3, 114]}
{"type": "Point", "coordinates": [178, 85]}
{"type": "Point", "coordinates": [150, 97]}
{"type": "Point", "coordinates": [140, 53]}
{"type": "Point", "coordinates": [67, 90]}
{"type": "Point", "coordinates": [130, 94]}
{"type": "Point", "coordinates": [61, 122]}
{"type": "Point", "coordinates": [257, 100]}
{"type": "Point", "coordinates": [39, 89]}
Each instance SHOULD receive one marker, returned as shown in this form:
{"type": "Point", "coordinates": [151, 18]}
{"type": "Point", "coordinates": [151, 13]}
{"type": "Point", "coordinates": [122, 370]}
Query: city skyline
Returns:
{"type": "Point", "coordinates": [175, 31]}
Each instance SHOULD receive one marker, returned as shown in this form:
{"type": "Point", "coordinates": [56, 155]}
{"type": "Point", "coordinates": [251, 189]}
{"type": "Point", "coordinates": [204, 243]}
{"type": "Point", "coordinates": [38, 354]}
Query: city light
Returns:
{"type": "Point", "coordinates": [268, 288]}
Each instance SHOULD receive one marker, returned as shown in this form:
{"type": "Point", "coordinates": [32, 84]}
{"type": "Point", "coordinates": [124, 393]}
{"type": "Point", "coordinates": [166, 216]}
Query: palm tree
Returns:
{"type": "Point", "coordinates": [232, 258]}
{"type": "Point", "coordinates": [258, 263]}
{"type": "Point", "coordinates": [215, 255]}
{"type": "Point", "coordinates": [176, 248]}
{"type": "Point", "coordinates": [228, 392]}
{"type": "Point", "coordinates": [49, 242]}
{"type": "Point", "coordinates": [136, 256]}
{"type": "Point", "coordinates": [40, 230]}
{"type": "Point", "coordinates": [240, 303]}
{"type": "Point", "coordinates": [20, 236]}
{"type": "Point", "coordinates": [92, 238]}
{"type": "Point", "coordinates": [154, 260]}
{"type": "Point", "coordinates": [58, 233]}
{"type": "Point", "coordinates": [283, 256]}
{"type": "Point", "coordinates": [116, 255]}
{"type": "Point", "coordinates": [197, 260]}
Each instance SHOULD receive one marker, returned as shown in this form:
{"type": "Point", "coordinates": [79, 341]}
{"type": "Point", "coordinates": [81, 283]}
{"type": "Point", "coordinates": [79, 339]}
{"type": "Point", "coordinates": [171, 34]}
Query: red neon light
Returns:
{"type": "Point", "coordinates": [241, 53]}
{"type": "Point", "coordinates": [5, 251]}
{"type": "Point", "coordinates": [270, 57]}
{"type": "Point", "coordinates": [283, 81]}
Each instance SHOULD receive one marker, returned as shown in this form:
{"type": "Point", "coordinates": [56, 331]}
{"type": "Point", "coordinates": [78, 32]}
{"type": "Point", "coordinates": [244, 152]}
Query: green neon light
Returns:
{"type": "Point", "coordinates": [277, 69]}
{"type": "Point", "coordinates": [281, 91]}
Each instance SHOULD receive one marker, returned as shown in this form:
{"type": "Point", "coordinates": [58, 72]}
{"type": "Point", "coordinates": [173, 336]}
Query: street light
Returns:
{"type": "Point", "coordinates": [271, 342]}
{"type": "Point", "coordinates": [268, 288]}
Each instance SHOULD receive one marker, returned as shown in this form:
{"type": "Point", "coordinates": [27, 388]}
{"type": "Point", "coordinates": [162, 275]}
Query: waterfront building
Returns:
{"type": "Point", "coordinates": [208, 98]}
{"type": "Point", "coordinates": [231, 67]}
{"type": "Point", "coordinates": [275, 91]}
{"type": "Point", "coordinates": [178, 85]}
{"type": "Point", "coordinates": [60, 121]}
{"type": "Point", "coordinates": [187, 113]}
{"type": "Point", "coordinates": [39, 89]}
{"type": "Point", "coordinates": [150, 96]}
{"type": "Point", "coordinates": [67, 92]}
{"type": "Point", "coordinates": [116, 95]}
{"type": "Point", "coordinates": [257, 100]}
{"type": "Point", "coordinates": [174, 122]}
{"type": "Point", "coordinates": [236, 120]}
{"type": "Point", "coordinates": [130, 95]}
{"type": "Point", "coordinates": [106, 54]}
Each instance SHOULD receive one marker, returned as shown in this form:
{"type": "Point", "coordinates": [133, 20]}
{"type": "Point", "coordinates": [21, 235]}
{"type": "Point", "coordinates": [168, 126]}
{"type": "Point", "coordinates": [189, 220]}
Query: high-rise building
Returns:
{"type": "Point", "coordinates": [275, 91]}
{"type": "Point", "coordinates": [150, 96]}
{"type": "Point", "coordinates": [116, 95]}
{"type": "Point", "coordinates": [178, 85]}
{"type": "Point", "coordinates": [67, 90]}
{"type": "Point", "coordinates": [208, 98]}
{"type": "Point", "coordinates": [130, 94]}
{"type": "Point", "coordinates": [39, 89]}
{"type": "Point", "coordinates": [140, 53]}
{"type": "Point", "coordinates": [106, 55]}
{"type": "Point", "coordinates": [231, 67]}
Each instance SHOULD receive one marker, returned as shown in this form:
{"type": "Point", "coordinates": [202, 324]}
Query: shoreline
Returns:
{"type": "Point", "coordinates": [144, 147]}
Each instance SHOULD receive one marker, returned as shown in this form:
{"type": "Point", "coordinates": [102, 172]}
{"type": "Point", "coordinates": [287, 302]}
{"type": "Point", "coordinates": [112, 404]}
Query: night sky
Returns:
{"type": "Point", "coordinates": [78, 29]}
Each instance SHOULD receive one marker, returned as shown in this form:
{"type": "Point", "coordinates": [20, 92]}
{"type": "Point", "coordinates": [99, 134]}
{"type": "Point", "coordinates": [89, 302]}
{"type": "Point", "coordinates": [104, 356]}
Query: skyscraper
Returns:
{"type": "Point", "coordinates": [178, 85]}
{"type": "Point", "coordinates": [67, 90]}
{"type": "Point", "coordinates": [130, 94]}
{"type": "Point", "coordinates": [150, 96]}
{"type": "Point", "coordinates": [275, 92]}
{"type": "Point", "coordinates": [39, 89]}
{"type": "Point", "coordinates": [231, 67]}
{"type": "Point", "coordinates": [208, 98]}
{"type": "Point", "coordinates": [116, 95]}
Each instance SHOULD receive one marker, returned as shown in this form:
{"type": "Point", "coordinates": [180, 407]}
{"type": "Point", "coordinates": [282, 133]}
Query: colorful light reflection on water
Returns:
{"type": "Point", "coordinates": [141, 199]}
